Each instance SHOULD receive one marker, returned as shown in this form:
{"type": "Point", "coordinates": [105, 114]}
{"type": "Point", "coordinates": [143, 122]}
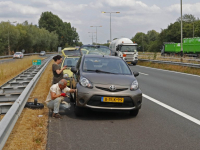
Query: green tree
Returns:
{"type": "Point", "coordinates": [142, 40]}
{"type": "Point", "coordinates": [67, 34]}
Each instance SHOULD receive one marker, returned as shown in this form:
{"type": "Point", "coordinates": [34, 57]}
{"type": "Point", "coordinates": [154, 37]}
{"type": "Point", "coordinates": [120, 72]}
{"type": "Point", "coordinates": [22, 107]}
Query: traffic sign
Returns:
{"type": "Point", "coordinates": [36, 61]}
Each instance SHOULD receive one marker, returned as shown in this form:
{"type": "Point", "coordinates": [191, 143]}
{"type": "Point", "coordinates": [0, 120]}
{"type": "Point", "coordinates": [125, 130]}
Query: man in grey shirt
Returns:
{"type": "Point", "coordinates": [56, 96]}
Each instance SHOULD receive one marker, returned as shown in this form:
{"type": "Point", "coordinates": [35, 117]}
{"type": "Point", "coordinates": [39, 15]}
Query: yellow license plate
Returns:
{"type": "Point", "coordinates": [128, 62]}
{"type": "Point", "coordinates": [112, 99]}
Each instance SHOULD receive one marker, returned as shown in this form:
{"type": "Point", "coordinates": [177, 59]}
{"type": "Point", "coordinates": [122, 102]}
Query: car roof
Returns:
{"type": "Point", "coordinates": [100, 56]}
{"type": "Point", "coordinates": [93, 46]}
{"type": "Point", "coordinates": [69, 49]}
{"type": "Point", "coordinates": [72, 56]}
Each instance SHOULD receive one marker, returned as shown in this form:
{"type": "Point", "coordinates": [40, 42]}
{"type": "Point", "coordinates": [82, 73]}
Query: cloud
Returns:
{"type": "Point", "coordinates": [135, 15]}
{"type": "Point", "coordinates": [187, 8]}
{"type": "Point", "coordinates": [8, 7]}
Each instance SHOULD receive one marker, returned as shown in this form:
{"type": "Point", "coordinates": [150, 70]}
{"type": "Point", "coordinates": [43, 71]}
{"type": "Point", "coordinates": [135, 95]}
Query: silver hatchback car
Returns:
{"type": "Point", "coordinates": [105, 82]}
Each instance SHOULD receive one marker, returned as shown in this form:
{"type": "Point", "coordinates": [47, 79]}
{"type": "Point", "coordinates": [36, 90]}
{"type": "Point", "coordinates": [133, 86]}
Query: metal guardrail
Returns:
{"type": "Point", "coordinates": [29, 54]}
{"type": "Point", "coordinates": [172, 63]}
{"type": "Point", "coordinates": [12, 115]}
{"type": "Point", "coordinates": [176, 58]}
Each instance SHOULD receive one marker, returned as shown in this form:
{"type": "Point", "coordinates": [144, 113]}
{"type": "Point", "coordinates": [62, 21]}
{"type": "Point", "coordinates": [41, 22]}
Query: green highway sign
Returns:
{"type": "Point", "coordinates": [36, 61]}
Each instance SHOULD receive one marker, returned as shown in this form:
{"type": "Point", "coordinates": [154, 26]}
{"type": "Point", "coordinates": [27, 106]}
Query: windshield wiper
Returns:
{"type": "Point", "coordinates": [101, 71]}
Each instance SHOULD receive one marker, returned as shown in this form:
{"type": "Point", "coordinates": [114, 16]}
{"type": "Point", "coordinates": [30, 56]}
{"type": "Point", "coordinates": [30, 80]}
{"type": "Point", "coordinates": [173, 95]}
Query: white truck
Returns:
{"type": "Point", "coordinates": [125, 49]}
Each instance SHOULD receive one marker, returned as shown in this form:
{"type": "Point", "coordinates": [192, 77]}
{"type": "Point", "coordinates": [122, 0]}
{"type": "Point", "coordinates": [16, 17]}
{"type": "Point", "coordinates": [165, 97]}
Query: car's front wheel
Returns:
{"type": "Point", "coordinates": [134, 112]}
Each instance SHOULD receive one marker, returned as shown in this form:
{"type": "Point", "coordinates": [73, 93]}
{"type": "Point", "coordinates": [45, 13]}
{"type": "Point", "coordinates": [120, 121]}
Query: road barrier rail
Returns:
{"type": "Point", "coordinates": [172, 63]}
{"type": "Point", "coordinates": [14, 95]}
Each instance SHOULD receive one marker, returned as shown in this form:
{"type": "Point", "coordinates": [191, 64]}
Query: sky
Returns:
{"type": "Point", "coordinates": [135, 15]}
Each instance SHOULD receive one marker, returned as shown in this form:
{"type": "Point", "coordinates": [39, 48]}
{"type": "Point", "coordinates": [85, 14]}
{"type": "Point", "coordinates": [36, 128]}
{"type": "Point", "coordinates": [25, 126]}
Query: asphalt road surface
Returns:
{"type": "Point", "coordinates": [168, 120]}
{"type": "Point", "coordinates": [6, 60]}
{"type": "Point", "coordinates": [11, 59]}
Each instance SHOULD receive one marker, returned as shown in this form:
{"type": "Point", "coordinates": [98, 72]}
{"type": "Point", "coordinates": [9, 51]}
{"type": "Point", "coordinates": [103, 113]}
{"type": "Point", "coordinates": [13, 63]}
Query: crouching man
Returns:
{"type": "Point", "coordinates": [56, 96]}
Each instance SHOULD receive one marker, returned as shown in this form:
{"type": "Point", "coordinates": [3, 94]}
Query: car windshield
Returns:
{"type": "Point", "coordinates": [17, 53]}
{"type": "Point", "coordinates": [99, 50]}
{"type": "Point", "coordinates": [72, 52]}
{"type": "Point", "coordinates": [42, 52]}
{"type": "Point", "coordinates": [105, 65]}
{"type": "Point", "coordinates": [70, 62]}
{"type": "Point", "coordinates": [129, 48]}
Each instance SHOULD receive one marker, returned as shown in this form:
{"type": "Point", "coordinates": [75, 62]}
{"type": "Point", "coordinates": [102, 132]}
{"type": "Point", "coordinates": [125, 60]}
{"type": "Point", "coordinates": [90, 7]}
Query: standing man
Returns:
{"type": "Point", "coordinates": [56, 96]}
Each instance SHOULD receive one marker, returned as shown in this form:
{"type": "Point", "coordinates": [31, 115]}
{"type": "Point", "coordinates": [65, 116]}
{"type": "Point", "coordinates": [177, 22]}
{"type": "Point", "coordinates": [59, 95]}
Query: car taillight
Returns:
{"type": "Point", "coordinates": [124, 55]}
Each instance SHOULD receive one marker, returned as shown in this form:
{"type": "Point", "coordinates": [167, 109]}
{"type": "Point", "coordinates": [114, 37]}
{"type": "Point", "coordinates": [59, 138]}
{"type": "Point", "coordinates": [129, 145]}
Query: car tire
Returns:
{"type": "Point", "coordinates": [72, 99]}
{"type": "Point", "coordinates": [134, 64]}
{"type": "Point", "coordinates": [134, 112]}
{"type": "Point", "coordinates": [33, 106]}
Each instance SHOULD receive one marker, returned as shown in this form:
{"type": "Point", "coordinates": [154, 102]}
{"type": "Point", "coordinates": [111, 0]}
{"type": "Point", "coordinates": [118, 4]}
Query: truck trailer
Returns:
{"type": "Point", "coordinates": [191, 47]}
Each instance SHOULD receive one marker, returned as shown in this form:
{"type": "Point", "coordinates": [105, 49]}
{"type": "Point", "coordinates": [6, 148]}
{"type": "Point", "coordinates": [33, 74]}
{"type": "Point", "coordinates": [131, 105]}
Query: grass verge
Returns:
{"type": "Point", "coordinates": [11, 69]}
{"type": "Point", "coordinates": [177, 68]}
{"type": "Point", "coordinates": [30, 131]}
{"type": "Point", "coordinates": [157, 56]}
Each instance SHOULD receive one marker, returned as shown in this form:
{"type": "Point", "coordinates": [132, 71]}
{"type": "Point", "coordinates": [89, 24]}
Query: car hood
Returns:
{"type": "Point", "coordinates": [102, 78]}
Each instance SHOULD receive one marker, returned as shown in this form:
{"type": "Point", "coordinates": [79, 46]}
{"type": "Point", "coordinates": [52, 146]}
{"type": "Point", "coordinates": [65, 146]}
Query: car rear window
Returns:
{"type": "Point", "coordinates": [72, 52]}
{"type": "Point", "coordinates": [70, 62]}
{"type": "Point", "coordinates": [17, 53]}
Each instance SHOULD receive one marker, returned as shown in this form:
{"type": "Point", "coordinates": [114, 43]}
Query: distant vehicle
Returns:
{"type": "Point", "coordinates": [70, 62]}
{"type": "Point", "coordinates": [95, 49]}
{"type": "Point", "coordinates": [125, 49]}
{"type": "Point", "coordinates": [105, 83]}
{"type": "Point", "coordinates": [42, 53]}
{"type": "Point", "coordinates": [191, 47]}
{"type": "Point", "coordinates": [71, 51]}
{"type": "Point", "coordinates": [18, 55]}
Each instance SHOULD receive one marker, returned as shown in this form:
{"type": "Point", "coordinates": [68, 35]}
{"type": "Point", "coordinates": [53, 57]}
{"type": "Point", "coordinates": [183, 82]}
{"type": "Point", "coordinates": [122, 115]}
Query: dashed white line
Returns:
{"type": "Point", "coordinates": [143, 73]}
{"type": "Point", "coordinates": [173, 109]}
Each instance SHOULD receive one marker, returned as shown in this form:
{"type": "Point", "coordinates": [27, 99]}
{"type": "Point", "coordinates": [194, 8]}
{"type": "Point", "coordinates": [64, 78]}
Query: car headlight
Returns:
{"type": "Point", "coordinates": [134, 85]}
{"type": "Point", "coordinates": [65, 75]}
{"type": "Point", "coordinates": [85, 82]}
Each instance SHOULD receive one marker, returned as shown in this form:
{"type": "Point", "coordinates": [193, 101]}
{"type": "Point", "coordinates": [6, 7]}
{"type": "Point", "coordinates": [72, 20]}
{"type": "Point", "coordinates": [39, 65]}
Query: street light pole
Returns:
{"type": "Point", "coordinates": [9, 36]}
{"type": "Point", "coordinates": [142, 43]}
{"type": "Point", "coordinates": [181, 32]}
{"type": "Point", "coordinates": [92, 36]}
{"type": "Point", "coordinates": [110, 22]}
{"type": "Point", "coordinates": [193, 28]}
{"type": "Point", "coordinates": [96, 31]}
{"type": "Point", "coordinates": [110, 29]}
{"type": "Point", "coordinates": [8, 44]}
{"type": "Point", "coordinates": [188, 20]}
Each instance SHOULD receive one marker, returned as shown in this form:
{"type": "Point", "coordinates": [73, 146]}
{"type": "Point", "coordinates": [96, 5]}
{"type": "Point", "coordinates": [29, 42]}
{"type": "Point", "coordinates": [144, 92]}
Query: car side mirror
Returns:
{"type": "Point", "coordinates": [135, 74]}
{"type": "Point", "coordinates": [74, 70]}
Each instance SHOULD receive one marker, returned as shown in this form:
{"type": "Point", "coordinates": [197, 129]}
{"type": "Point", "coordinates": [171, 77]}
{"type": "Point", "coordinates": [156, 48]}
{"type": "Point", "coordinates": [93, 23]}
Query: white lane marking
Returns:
{"type": "Point", "coordinates": [170, 71]}
{"type": "Point", "coordinates": [173, 109]}
{"type": "Point", "coordinates": [144, 74]}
